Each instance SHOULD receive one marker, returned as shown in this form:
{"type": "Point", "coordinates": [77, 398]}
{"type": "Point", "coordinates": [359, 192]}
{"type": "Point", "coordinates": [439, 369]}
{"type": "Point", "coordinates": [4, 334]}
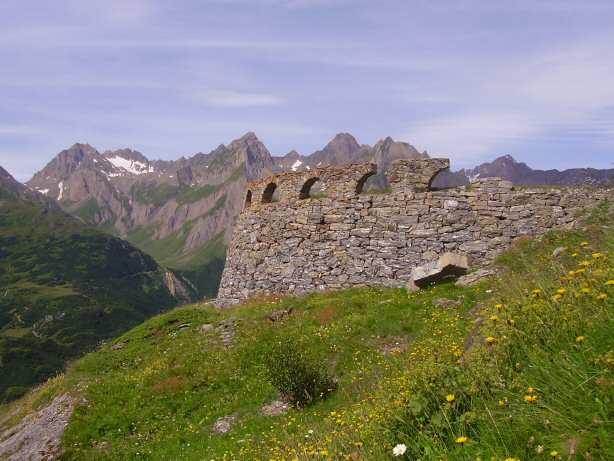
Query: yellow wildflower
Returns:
{"type": "Point", "coordinates": [597, 255]}
{"type": "Point", "coordinates": [462, 440]}
{"type": "Point", "coordinates": [580, 339]}
{"type": "Point", "coordinates": [531, 390]}
{"type": "Point", "coordinates": [554, 453]}
{"type": "Point", "coordinates": [512, 459]}
{"type": "Point", "coordinates": [609, 283]}
{"type": "Point", "coordinates": [494, 318]}
{"type": "Point", "coordinates": [584, 263]}
{"type": "Point", "coordinates": [450, 398]}
{"type": "Point", "coordinates": [503, 402]}
{"type": "Point", "coordinates": [574, 255]}
{"type": "Point", "coordinates": [584, 244]}
{"type": "Point", "coordinates": [585, 290]}
{"type": "Point", "coordinates": [602, 296]}
{"type": "Point", "coordinates": [561, 291]}
{"type": "Point", "coordinates": [557, 297]}
{"type": "Point", "coordinates": [499, 306]}
{"type": "Point", "coordinates": [530, 398]}
{"type": "Point", "coordinates": [490, 340]}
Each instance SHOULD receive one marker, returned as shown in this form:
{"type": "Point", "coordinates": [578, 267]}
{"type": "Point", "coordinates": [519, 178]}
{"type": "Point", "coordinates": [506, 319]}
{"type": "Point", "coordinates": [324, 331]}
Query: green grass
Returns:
{"type": "Point", "coordinates": [514, 372]}
{"type": "Point", "coordinates": [88, 210]}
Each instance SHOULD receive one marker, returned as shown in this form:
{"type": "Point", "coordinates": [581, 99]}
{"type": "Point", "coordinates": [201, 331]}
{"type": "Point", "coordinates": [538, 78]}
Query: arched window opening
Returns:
{"type": "Point", "coordinates": [313, 188]}
{"type": "Point", "coordinates": [376, 184]}
{"type": "Point", "coordinates": [248, 199]}
{"type": "Point", "coordinates": [445, 179]}
{"type": "Point", "coordinates": [270, 193]}
{"type": "Point", "coordinates": [361, 182]}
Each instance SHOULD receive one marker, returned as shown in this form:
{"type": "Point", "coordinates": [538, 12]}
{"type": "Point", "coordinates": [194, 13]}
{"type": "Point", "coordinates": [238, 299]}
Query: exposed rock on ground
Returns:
{"type": "Point", "coordinates": [394, 345]}
{"type": "Point", "coordinates": [279, 315]}
{"type": "Point", "coordinates": [558, 250]}
{"type": "Point", "coordinates": [445, 302]}
{"type": "Point", "coordinates": [38, 437]}
{"type": "Point", "coordinates": [205, 328]}
{"type": "Point", "coordinates": [224, 424]}
{"type": "Point", "coordinates": [476, 277]}
{"type": "Point", "coordinates": [275, 408]}
{"type": "Point", "coordinates": [227, 332]}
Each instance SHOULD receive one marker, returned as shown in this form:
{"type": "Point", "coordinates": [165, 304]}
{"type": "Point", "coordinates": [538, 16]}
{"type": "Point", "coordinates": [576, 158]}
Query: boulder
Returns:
{"type": "Point", "coordinates": [447, 266]}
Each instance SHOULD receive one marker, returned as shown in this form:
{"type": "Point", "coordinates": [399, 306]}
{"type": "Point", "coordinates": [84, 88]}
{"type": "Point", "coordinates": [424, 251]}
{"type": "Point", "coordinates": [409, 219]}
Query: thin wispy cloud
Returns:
{"type": "Point", "coordinates": [232, 98]}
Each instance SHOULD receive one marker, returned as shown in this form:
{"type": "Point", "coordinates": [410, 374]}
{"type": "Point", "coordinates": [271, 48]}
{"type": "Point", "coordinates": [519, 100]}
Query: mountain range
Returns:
{"type": "Point", "coordinates": [181, 212]}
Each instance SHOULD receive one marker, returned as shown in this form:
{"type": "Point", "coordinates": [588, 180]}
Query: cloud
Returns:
{"type": "Point", "coordinates": [232, 98]}
{"type": "Point", "coordinates": [19, 130]}
{"type": "Point", "coordinates": [559, 94]}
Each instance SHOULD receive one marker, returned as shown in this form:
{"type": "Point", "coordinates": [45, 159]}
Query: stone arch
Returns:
{"type": "Point", "coordinates": [248, 199]}
{"type": "Point", "coordinates": [361, 182]}
{"type": "Point", "coordinates": [445, 179]}
{"type": "Point", "coordinates": [305, 191]}
{"type": "Point", "coordinates": [269, 191]}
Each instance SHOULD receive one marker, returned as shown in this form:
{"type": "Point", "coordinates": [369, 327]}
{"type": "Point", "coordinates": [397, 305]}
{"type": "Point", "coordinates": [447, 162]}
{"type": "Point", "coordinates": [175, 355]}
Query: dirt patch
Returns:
{"type": "Point", "coordinates": [170, 385]}
{"type": "Point", "coordinates": [38, 436]}
{"type": "Point", "coordinates": [326, 315]}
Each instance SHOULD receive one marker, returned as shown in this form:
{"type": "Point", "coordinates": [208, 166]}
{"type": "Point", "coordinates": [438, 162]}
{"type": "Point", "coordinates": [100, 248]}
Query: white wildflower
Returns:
{"type": "Point", "coordinates": [399, 449]}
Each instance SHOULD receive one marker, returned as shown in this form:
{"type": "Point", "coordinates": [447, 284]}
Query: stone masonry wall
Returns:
{"type": "Point", "coordinates": [288, 242]}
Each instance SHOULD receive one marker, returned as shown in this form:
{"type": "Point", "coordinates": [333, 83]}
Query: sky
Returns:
{"type": "Point", "coordinates": [469, 80]}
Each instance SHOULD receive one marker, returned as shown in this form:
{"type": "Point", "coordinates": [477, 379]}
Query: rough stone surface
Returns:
{"type": "Point", "coordinates": [558, 251]}
{"type": "Point", "coordinates": [38, 437]}
{"type": "Point", "coordinates": [275, 408]}
{"type": "Point", "coordinates": [224, 424]}
{"type": "Point", "coordinates": [475, 277]}
{"type": "Point", "coordinates": [446, 302]}
{"type": "Point", "coordinates": [279, 315]}
{"type": "Point", "coordinates": [447, 265]}
{"type": "Point", "coordinates": [226, 329]}
{"type": "Point", "coordinates": [348, 238]}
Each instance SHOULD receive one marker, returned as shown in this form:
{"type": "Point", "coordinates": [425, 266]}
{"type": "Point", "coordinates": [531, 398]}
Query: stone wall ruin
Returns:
{"type": "Point", "coordinates": [288, 240]}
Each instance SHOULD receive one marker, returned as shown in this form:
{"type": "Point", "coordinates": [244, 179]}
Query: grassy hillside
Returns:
{"type": "Point", "coordinates": [63, 288]}
{"type": "Point", "coordinates": [521, 369]}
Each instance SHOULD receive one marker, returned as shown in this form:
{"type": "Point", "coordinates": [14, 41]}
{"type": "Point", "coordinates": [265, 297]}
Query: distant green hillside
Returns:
{"type": "Point", "coordinates": [64, 287]}
{"type": "Point", "coordinates": [520, 367]}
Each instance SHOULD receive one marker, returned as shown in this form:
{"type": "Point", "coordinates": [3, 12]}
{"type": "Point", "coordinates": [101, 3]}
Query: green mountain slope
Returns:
{"type": "Point", "coordinates": [63, 288]}
{"type": "Point", "coordinates": [520, 367]}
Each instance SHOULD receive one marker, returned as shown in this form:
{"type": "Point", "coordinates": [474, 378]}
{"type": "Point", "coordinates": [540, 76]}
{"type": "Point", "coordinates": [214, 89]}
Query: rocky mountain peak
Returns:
{"type": "Point", "coordinates": [343, 143]}
{"type": "Point", "coordinates": [128, 161]}
{"type": "Point", "coordinates": [8, 183]}
{"type": "Point", "coordinates": [127, 154]}
{"type": "Point", "coordinates": [66, 162]}
{"type": "Point", "coordinates": [292, 155]}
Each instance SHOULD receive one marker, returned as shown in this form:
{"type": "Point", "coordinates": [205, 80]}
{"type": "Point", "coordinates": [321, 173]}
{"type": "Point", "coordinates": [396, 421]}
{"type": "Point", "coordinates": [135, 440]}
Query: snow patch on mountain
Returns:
{"type": "Point", "coordinates": [296, 165]}
{"type": "Point", "coordinates": [130, 166]}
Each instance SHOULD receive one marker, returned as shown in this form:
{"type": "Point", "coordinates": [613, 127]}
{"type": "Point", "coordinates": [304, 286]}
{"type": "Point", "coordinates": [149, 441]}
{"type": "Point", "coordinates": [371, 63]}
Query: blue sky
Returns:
{"type": "Point", "coordinates": [471, 80]}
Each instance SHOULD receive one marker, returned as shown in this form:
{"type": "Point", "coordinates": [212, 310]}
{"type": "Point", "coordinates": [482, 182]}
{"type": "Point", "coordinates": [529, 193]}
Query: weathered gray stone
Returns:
{"type": "Point", "coordinates": [448, 265]}
{"type": "Point", "coordinates": [351, 238]}
{"type": "Point", "coordinates": [38, 437]}
{"type": "Point", "coordinates": [475, 277]}
{"type": "Point", "coordinates": [224, 424]}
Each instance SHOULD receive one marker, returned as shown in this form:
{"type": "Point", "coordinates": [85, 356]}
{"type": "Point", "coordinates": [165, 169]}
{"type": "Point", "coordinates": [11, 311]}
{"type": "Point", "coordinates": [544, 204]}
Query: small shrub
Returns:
{"type": "Point", "coordinates": [295, 373]}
